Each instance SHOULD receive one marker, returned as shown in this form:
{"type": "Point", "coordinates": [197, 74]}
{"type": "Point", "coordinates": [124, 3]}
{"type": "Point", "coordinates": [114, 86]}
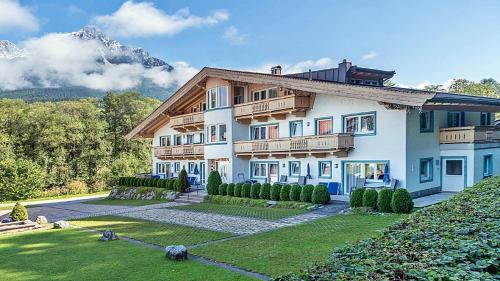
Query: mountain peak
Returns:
{"type": "Point", "coordinates": [9, 50]}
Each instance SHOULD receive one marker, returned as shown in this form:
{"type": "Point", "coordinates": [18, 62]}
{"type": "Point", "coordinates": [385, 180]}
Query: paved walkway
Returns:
{"type": "Point", "coordinates": [432, 199]}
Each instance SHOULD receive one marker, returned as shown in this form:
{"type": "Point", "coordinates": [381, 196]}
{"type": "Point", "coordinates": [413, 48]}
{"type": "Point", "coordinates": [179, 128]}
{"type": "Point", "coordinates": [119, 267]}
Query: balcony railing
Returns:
{"type": "Point", "coordinates": [195, 151]}
{"type": "Point", "coordinates": [275, 107]}
{"type": "Point", "coordinates": [321, 146]}
{"type": "Point", "coordinates": [472, 134]}
{"type": "Point", "coordinates": [187, 122]}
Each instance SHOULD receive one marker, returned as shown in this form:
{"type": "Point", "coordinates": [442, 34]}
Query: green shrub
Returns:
{"type": "Point", "coordinates": [19, 213]}
{"type": "Point", "coordinates": [384, 200]}
{"type": "Point", "coordinates": [171, 184]}
{"type": "Point", "coordinates": [265, 191]}
{"type": "Point", "coordinates": [223, 189]}
{"type": "Point", "coordinates": [306, 193]}
{"type": "Point", "coordinates": [20, 179]}
{"type": "Point", "coordinates": [320, 195]}
{"type": "Point", "coordinates": [245, 191]}
{"type": "Point", "coordinates": [357, 198]}
{"type": "Point", "coordinates": [254, 190]}
{"type": "Point", "coordinates": [76, 187]}
{"type": "Point", "coordinates": [182, 182]}
{"type": "Point", "coordinates": [275, 191]}
{"type": "Point", "coordinates": [370, 198]}
{"type": "Point", "coordinates": [295, 191]}
{"type": "Point", "coordinates": [164, 183]}
{"type": "Point", "coordinates": [214, 181]}
{"type": "Point", "coordinates": [401, 201]}
{"type": "Point", "coordinates": [227, 200]}
{"type": "Point", "coordinates": [238, 188]}
{"type": "Point", "coordinates": [285, 192]}
{"type": "Point", "coordinates": [230, 189]}
{"type": "Point", "coordinates": [156, 182]}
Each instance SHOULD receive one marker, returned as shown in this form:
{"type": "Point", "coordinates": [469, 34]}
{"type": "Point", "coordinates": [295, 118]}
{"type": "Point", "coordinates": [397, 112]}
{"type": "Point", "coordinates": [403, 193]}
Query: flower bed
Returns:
{"type": "Point", "coordinates": [456, 240]}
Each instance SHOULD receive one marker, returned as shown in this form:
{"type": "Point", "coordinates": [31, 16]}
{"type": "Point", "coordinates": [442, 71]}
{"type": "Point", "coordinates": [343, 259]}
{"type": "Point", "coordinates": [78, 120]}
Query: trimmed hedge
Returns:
{"type": "Point", "coordinates": [275, 191]}
{"type": "Point", "coordinates": [238, 188]}
{"type": "Point", "coordinates": [254, 190]}
{"type": "Point", "coordinates": [356, 199]}
{"type": "Point", "coordinates": [228, 200]}
{"type": "Point", "coordinates": [245, 191]}
{"type": "Point", "coordinates": [384, 200]}
{"type": "Point", "coordinates": [295, 192]}
{"type": "Point", "coordinates": [454, 240]}
{"type": "Point", "coordinates": [265, 191]}
{"type": "Point", "coordinates": [320, 195]}
{"type": "Point", "coordinates": [19, 213]}
{"type": "Point", "coordinates": [214, 181]}
{"type": "Point", "coordinates": [401, 201]}
{"type": "Point", "coordinates": [370, 198]}
{"type": "Point", "coordinates": [223, 189]}
{"type": "Point", "coordinates": [230, 189]}
{"type": "Point", "coordinates": [285, 192]}
{"type": "Point", "coordinates": [306, 193]}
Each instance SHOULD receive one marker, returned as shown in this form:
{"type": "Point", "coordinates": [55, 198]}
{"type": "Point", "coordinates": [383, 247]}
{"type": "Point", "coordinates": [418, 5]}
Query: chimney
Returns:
{"type": "Point", "coordinates": [344, 67]}
{"type": "Point", "coordinates": [276, 70]}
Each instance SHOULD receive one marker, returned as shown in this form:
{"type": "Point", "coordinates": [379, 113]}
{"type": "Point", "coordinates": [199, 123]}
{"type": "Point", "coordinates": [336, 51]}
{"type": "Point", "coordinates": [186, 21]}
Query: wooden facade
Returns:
{"type": "Point", "coordinates": [471, 134]}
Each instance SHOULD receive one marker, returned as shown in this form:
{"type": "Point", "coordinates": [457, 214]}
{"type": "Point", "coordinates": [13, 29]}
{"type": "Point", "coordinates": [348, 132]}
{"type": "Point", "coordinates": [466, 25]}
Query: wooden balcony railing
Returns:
{"type": "Point", "coordinates": [187, 122]}
{"type": "Point", "coordinates": [275, 107]}
{"type": "Point", "coordinates": [192, 151]}
{"type": "Point", "coordinates": [472, 134]}
{"type": "Point", "coordinates": [320, 146]}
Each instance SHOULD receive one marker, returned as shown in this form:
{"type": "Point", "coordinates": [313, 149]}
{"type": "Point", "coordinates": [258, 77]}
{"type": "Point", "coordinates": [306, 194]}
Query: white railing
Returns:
{"type": "Point", "coordinates": [471, 134]}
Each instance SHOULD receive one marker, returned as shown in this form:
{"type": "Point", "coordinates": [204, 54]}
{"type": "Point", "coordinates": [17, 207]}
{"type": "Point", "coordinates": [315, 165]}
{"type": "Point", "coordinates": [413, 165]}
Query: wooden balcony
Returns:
{"type": "Point", "coordinates": [472, 134]}
{"type": "Point", "coordinates": [187, 122]}
{"type": "Point", "coordinates": [299, 147]}
{"type": "Point", "coordinates": [193, 151]}
{"type": "Point", "coordinates": [277, 107]}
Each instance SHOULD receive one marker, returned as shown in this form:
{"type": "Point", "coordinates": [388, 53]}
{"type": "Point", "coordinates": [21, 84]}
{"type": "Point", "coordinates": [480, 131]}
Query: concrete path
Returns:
{"type": "Point", "coordinates": [432, 199]}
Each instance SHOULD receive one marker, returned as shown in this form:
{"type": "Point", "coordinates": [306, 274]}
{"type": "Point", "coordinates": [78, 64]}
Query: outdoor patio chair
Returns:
{"type": "Point", "coordinates": [393, 184]}
{"type": "Point", "coordinates": [302, 180]}
{"type": "Point", "coordinates": [283, 179]}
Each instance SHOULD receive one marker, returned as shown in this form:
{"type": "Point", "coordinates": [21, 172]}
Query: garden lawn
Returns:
{"type": "Point", "coordinates": [78, 255]}
{"type": "Point", "coordinates": [290, 249]}
{"type": "Point", "coordinates": [126, 202]}
{"type": "Point", "coordinates": [152, 232]}
{"type": "Point", "coordinates": [242, 211]}
{"type": "Point", "coordinates": [34, 200]}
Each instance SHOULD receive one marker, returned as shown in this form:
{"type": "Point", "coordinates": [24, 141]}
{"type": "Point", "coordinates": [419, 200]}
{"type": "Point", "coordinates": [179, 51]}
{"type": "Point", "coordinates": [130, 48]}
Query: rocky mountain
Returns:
{"type": "Point", "coordinates": [9, 50]}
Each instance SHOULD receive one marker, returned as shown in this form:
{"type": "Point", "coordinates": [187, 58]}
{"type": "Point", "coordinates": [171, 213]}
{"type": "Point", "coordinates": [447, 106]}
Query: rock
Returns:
{"type": "Point", "coordinates": [108, 235]}
{"type": "Point", "coordinates": [272, 203]}
{"type": "Point", "coordinates": [41, 220]}
{"type": "Point", "coordinates": [61, 224]}
{"type": "Point", "coordinates": [7, 220]}
{"type": "Point", "coordinates": [312, 207]}
{"type": "Point", "coordinates": [176, 252]}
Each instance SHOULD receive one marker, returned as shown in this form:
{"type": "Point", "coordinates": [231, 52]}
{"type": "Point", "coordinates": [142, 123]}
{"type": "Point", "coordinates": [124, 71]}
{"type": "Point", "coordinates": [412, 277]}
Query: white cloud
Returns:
{"type": "Point", "coordinates": [369, 56]}
{"type": "Point", "coordinates": [233, 35]}
{"type": "Point", "coordinates": [15, 17]}
{"type": "Point", "coordinates": [75, 10]}
{"type": "Point", "coordinates": [144, 20]}
{"type": "Point", "coordinates": [301, 66]}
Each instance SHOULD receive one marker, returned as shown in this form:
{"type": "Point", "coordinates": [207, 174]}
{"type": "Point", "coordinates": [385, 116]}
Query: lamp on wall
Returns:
{"type": "Point", "coordinates": [336, 165]}
{"type": "Point", "coordinates": [283, 165]}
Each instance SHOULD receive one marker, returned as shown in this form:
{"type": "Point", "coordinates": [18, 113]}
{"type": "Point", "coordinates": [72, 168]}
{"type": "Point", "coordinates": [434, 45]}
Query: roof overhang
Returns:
{"type": "Point", "coordinates": [459, 102]}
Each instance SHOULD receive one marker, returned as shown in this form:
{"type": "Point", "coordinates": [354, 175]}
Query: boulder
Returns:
{"type": "Point", "coordinates": [271, 203]}
{"type": "Point", "coordinates": [61, 224]}
{"type": "Point", "coordinates": [108, 235]}
{"type": "Point", "coordinates": [41, 220]}
{"type": "Point", "coordinates": [7, 220]}
{"type": "Point", "coordinates": [176, 252]}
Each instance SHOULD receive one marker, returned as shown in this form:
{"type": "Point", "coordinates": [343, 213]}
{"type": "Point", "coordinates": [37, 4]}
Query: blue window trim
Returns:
{"type": "Point", "coordinates": [464, 158]}
{"type": "Point", "coordinates": [342, 169]}
{"type": "Point", "coordinates": [268, 162]}
{"type": "Point", "coordinates": [189, 170]}
{"type": "Point", "coordinates": [250, 136]}
{"type": "Point", "coordinates": [431, 122]}
{"type": "Point", "coordinates": [290, 127]}
{"type": "Point", "coordinates": [319, 170]}
{"type": "Point", "coordinates": [290, 170]}
{"type": "Point", "coordinates": [488, 173]}
{"type": "Point", "coordinates": [319, 119]}
{"type": "Point", "coordinates": [431, 169]}
{"type": "Point", "coordinates": [361, 113]}
{"type": "Point", "coordinates": [461, 121]}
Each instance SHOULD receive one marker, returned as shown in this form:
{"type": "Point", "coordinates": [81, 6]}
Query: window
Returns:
{"type": "Point", "coordinates": [453, 167]}
{"type": "Point", "coordinates": [264, 132]}
{"type": "Point", "coordinates": [217, 97]}
{"type": "Point", "coordinates": [239, 95]}
{"type": "Point", "coordinates": [426, 121]}
{"type": "Point", "coordinates": [212, 134]}
{"type": "Point", "coordinates": [222, 133]}
{"type": "Point", "coordinates": [426, 170]}
{"type": "Point", "coordinates": [456, 119]}
{"type": "Point", "coordinates": [165, 141]}
{"type": "Point", "coordinates": [191, 167]}
{"type": "Point", "coordinates": [374, 172]}
{"type": "Point", "coordinates": [161, 168]}
{"type": "Point", "coordinates": [485, 119]}
{"type": "Point", "coordinates": [216, 133]}
{"type": "Point", "coordinates": [177, 167]}
{"type": "Point", "coordinates": [324, 126]}
{"type": "Point", "coordinates": [265, 94]}
{"type": "Point", "coordinates": [177, 140]}
{"type": "Point", "coordinates": [359, 124]}
{"type": "Point", "coordinates": [296, 128]}
{"type": "Point", "coordinates": [268, 170]}
{"type": "Point", "coordinates": [202, 138]}
{"type": "Point", "coordinates": [294, 169]}
{"type": "Point", "coordinates": [190, 139]}
{"type": "Point", "coordinates": [325, 169]}
{"type": "Point", "coordinates": [487, 166]}
{"type": "Point", "coordinates": [259, 170]}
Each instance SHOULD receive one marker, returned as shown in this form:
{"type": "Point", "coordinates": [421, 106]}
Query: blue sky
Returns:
{"type": "Point", "coordinates": [424, 41]}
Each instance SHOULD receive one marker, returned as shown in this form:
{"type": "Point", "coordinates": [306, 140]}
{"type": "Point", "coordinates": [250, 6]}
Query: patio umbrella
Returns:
{"type": "Point", "coordinates": [196, 172]}
{"type": "Point", "coordinates": [387, 176]}
{"type": "Point", "coordinates": [308, 176]}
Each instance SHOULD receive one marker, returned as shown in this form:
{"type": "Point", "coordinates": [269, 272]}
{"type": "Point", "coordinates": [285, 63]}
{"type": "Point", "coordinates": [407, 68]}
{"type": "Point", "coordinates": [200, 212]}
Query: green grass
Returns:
{"type": "Point", "coordinates": [292, 248]}
{"type": "Point", "coordinates": [152, 232]}
{"type": "Point", "coordinates": [33, 200]}
{"type": "Point", "coordinates": [77, 255]}
{"type": "Point", "coordinates": [126, 202]}
{"type": "Point", "coordinates": [242, 211]}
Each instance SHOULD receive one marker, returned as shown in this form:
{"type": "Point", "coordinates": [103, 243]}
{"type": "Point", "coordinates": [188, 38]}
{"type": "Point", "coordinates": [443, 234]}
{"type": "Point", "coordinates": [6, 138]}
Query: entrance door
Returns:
{"type": "Point", "coordinates": [273, 172]}
{"type": "Point", "coordinates": [202, 173]}
{"type": "Point", "coordinates": [222, 168]}
{"type": "Point", "coordinates": [453, 174]}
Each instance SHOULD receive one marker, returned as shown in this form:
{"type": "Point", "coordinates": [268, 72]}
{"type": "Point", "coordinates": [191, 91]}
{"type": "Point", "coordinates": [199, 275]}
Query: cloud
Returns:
{"type": "Point", "coordinates": [13, 16]}
{"type": "Point", "coordinates": [57, 60]}
{"type": "Point", "coordinates": [75, 10]}
{"type": "Point", "coordinates": [301, 66]}
{"type": "Point", "coordinates": [233, 35]}
{"type": "Point", "coordinates": [145, 20]}
{"type": "Point", "coordinates": [369, 56]}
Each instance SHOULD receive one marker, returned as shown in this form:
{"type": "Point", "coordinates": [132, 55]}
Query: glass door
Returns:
{"type": "Point", "coordinates": [273, 172]}
{"type": "Point", "coordinates": [202, 173]}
